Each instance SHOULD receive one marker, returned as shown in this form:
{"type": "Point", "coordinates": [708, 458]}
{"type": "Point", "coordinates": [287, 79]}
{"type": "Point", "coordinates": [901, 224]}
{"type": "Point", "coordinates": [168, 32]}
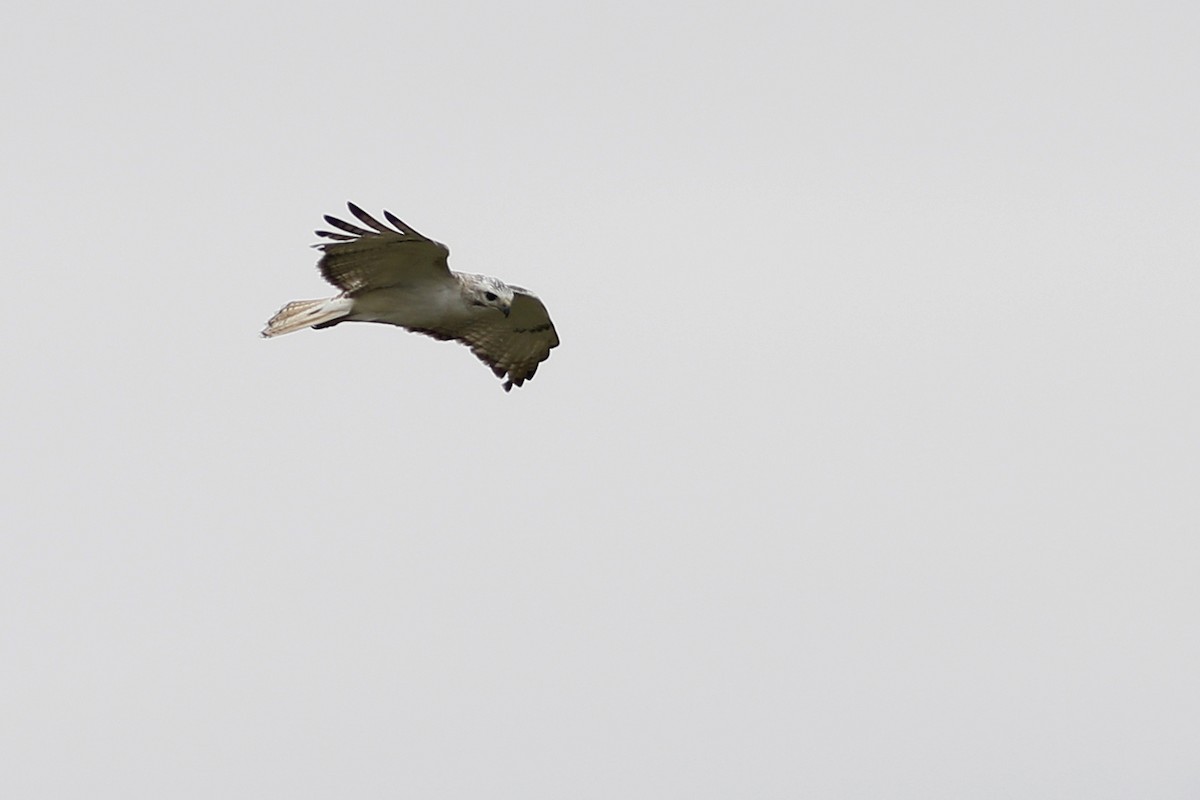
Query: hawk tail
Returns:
{"type": "Point", "coordinates": [300, 314]}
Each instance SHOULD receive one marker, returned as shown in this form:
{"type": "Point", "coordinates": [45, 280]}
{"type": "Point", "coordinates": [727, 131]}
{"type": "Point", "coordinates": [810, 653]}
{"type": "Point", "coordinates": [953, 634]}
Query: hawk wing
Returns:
{"type": "Point", "coordinates": [359, 260]}
{"type": "Point", "coordinates": [513, 346]}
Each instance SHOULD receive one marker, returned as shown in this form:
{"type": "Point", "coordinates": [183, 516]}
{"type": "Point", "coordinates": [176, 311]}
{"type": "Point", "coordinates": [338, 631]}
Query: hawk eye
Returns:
{"type": "Point", "coordinates": [490, 296]}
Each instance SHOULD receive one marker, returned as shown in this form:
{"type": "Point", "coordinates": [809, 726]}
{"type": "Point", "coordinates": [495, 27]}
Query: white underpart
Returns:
{"type": "Point", "coordinates": [437, 306]}
{"type": "Point", "coordinates": [425, 306]}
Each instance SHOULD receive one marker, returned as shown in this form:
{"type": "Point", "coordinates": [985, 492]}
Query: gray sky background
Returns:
{"type": "Point", "coordinates": [867, 467]}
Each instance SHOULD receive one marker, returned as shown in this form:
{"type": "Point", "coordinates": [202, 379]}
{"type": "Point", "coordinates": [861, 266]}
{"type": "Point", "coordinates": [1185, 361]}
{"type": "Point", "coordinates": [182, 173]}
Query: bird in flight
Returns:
{"type": "Point", "coordinates": [399, 277]}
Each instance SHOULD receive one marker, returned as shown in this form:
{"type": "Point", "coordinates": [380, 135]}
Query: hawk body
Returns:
{"type": "Point", "coordinates": [398, 277]}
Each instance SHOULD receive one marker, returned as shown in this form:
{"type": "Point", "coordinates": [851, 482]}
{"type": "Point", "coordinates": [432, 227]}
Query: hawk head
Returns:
{"type": "Point", "coordinates": [480, 290]}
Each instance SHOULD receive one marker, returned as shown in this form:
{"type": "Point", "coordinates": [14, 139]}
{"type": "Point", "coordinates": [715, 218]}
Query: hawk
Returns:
{"type": "Point", "coordinates": [399, 277]}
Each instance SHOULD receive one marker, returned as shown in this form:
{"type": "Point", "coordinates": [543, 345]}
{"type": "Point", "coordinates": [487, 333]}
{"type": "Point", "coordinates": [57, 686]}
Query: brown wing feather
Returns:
{"type": "Point", "coordinates": [361, 260]}
{"type": "Point", "coordinates": [514, 346]}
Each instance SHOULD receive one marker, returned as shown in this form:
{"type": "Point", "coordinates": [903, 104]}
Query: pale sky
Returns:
{"type": "Point", "coordinates": [867, 467]}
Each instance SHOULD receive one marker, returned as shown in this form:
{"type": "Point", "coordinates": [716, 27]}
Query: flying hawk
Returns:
{"type": "Point", "coordinates": [399, 277]}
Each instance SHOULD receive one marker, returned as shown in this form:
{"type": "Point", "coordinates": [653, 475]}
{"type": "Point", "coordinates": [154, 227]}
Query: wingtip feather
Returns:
{"type": "Point", "coordinates": [396, 221]}
{"type": "Point", "coordinates": [367, 219]}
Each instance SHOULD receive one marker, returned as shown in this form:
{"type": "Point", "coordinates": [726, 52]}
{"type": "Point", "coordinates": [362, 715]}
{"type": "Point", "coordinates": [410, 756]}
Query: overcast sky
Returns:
{"type": "Point", "coordinates": [867, 467]}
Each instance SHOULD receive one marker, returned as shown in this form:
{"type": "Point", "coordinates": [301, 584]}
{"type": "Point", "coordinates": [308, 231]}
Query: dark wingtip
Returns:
{"type": "Point", "coordinates": [342, 225]}
{"type": "Point", "coordinates": [340, 237]}
{"type": "Point", "coordinates": [397, 223]}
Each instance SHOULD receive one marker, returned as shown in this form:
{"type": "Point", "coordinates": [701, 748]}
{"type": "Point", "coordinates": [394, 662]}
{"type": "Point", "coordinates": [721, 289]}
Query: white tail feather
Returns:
{"type": "Point", "coordinates": [301, 314]}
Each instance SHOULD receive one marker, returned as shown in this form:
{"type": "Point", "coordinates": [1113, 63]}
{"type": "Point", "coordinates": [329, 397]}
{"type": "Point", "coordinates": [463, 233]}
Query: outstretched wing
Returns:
{"type": "Point", "coordinates": [363, 259]}
{"type": "Point", "coordinates": [513, 346]}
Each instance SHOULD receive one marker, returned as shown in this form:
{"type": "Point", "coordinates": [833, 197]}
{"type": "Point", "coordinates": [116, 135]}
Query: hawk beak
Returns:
{"type": "Point", "coordinates": [507, 310]}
